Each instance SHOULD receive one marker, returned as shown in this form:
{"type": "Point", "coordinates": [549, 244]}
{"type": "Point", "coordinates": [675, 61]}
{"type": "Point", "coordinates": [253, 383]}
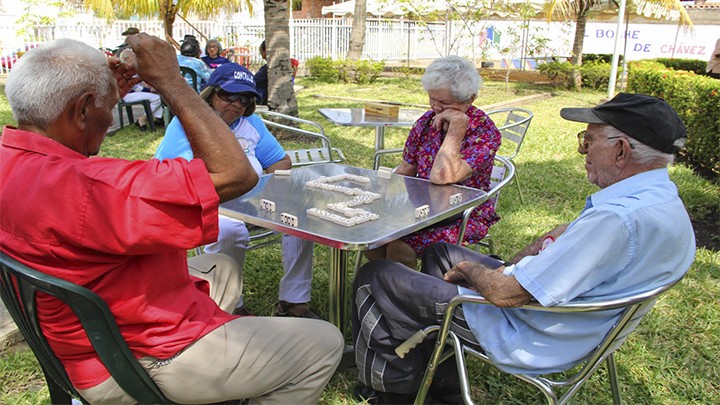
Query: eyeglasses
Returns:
{"type": "Point", "coordinates": [584, 145]}
{"type": "Point", "coordinates": [244, 99]}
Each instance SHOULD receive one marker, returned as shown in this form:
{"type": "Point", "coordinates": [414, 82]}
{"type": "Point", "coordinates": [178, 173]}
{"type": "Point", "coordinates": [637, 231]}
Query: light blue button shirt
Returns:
{"type": "Point", "coordinates": [635, 236]}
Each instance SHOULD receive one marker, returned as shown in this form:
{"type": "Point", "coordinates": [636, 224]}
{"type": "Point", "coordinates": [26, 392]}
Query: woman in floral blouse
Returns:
{"type": "Point", "coordinates": [453, 143]}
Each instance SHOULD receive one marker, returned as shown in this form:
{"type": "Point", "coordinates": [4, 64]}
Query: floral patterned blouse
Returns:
{"type": "Point", "coordinates": [478, 149]}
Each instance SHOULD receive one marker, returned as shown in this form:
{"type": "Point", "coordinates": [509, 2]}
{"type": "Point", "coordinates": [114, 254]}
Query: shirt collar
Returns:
{"type": "Point", "coordinates": [34, 142]}
{"type": "Point", "coordinates": [629, 185]}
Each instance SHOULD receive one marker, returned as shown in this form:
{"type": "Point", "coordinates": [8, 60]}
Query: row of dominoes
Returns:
{"type": "Point", "coordinates": [344, 209]}
{"type": "Point", "coordinates": [267, 205]}
{"type": "Point", "coordinates": [384, 172]}
{"type": "Point", "coordinates": [422, 211]}
{"type": "Point", "coordinates": [288, 219]}
{"type": "Point", "coordinates": [339, 219]}
{"type": "Point", "coordinates": [341, 177]}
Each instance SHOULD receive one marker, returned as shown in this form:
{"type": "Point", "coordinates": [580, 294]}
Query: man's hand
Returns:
{"type": "Point", "coordinates": [501, 290]}
{"type": "Point", "coordinates": [124, 75]}
{"type": "Point", "coordinates": [534, 248]}
{"type": "Point", "coordinates": [155, 61]}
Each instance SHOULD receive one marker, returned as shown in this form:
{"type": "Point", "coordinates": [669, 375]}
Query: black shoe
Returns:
{"type": "Point", "coordinates": [301, 310]}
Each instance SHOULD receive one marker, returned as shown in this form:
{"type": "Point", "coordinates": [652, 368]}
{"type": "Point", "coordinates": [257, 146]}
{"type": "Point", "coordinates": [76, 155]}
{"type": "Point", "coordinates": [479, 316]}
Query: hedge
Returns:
{"type": "Point", "coordinates": [697, 101]}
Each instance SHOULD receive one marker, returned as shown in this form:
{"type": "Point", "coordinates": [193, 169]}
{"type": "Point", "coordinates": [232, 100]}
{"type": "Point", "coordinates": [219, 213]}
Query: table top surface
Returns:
{"type": "Point", "coordinates": [399, 198]}
{"type": "Point", "coordinates": [356, 117]}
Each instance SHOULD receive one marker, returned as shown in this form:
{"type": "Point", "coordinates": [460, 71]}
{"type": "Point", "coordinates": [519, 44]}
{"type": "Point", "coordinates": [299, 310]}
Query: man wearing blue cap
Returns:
{"type": "Point", "coordinates": [633, 235]}
{"type": "Point", "coordinates": [232, 94]}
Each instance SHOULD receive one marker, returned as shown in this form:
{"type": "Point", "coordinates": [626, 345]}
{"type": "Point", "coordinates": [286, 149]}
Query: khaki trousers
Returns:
{"type": "Point", "coordinates": [266, 360]}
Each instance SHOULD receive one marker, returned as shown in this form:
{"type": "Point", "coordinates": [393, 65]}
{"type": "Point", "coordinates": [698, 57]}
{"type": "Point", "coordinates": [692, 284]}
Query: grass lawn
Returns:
{"type": "Point", "coordinates": [670, 359]}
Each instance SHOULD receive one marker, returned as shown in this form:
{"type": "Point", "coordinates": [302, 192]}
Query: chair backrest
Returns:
{"type": "Point", "coordinates": [19, 285]}
{"type": "Point", "coordinates": [513, 123]}
{"type": "Point", "coordinates": [303, 157]}
{"type": "Point", "coordinates": [187, 72]}
{"type": "Point", "coordinates": [502, 173]}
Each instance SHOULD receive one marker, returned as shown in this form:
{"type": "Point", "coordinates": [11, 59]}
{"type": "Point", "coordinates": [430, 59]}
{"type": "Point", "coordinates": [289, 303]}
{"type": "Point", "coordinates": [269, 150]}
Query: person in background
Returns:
{"type": "Point", "coordinates": [453, 143]}
{"type": "Point", "coordinates": [122, 229]}
{"type": "Point", "coordinates": [231, 93]}
{"type": "Point", "coordinates": [212, 56]}
{"type": "Point", "coordinates": [189, 57]}
{"type": "Point", "coordinates": [633, 235]}
{"type": "Point", "coordinates": [261, 76]}
{"type": "Point", "coordinates": [142, 91]}
{"type": "Point", "coordinates": [713, 65]}
{"type": "Point", "coordinates": [124, 45]}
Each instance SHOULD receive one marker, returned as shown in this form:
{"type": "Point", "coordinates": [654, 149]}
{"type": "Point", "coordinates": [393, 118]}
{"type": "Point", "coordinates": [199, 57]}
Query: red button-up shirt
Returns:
{"type": "Point", "coordinates": [120, 228]}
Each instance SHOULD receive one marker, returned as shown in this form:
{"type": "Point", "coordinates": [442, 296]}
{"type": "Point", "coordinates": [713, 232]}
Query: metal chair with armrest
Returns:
{"type": "Point", "coordinates": [502, 173]}
{"type": "Point", "coordinates": [634, 308]}
{"type": "Point", "coordinates": [515, 124]}
{"type": "Point", "coordinates": [19, 285]}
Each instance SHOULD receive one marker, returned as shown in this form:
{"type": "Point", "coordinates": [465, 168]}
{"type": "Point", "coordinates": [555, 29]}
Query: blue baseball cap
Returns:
{"type": "Point", "coordinates": [233, 78]}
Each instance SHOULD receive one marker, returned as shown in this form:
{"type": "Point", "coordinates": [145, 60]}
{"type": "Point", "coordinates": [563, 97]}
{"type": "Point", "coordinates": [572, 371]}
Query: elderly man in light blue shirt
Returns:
{"type": "Point", "coordinates": [632, 236]}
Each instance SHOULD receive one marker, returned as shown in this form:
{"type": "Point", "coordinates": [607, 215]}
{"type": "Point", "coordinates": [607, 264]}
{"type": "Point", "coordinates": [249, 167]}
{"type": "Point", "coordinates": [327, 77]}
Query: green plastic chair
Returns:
{"type": "Point", "coordinates": [20, 284]}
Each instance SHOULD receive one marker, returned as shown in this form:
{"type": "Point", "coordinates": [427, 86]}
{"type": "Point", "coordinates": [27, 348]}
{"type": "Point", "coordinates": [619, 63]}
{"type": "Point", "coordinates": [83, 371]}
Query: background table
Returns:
{"type": "Point", "coordinates": [356, 117]}
{"type": "Point", "coordinates": [396, 208]}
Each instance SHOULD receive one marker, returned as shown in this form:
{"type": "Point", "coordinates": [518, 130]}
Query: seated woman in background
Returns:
{"type": "Point", "coordinates": [231, 93]}
{"type": "Point", "coordinates": [212, 56]}
{"type": "Point", "coordinates": [453, 143]}
{"type": "Point", "coordinates": [142, 91]}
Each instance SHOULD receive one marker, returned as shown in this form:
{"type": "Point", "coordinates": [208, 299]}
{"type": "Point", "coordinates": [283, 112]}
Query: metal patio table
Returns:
{"type": "Point", "coordinates": [400, 196]}
{"type": "Point", "coordinates": [356, 117]}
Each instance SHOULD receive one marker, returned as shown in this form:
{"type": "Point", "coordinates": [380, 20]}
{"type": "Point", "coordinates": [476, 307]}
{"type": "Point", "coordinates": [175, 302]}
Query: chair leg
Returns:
{"type": "Point", "coordinates": [57, 394]}
{"type": "Point", "coordinates": [149, 115]}
{"type": "Point", "coordinates": [517, 183]}
{"type": "Point", "coordinates": [612, 373]}
{"type": "Point", "coordinates": [131, 116]}
{"type": "Point", "coordinates": [120, 115]}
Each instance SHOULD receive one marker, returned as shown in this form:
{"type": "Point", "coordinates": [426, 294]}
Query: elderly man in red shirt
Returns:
{"type": "Point", "coordinates": [122, 229]}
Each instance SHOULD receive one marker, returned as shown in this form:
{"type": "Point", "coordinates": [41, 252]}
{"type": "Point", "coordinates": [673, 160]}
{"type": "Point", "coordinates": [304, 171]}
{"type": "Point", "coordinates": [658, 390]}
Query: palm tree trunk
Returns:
{"type": "Point", "coordinates": [576, 58]}
{"type": "Point", "coordinates": [357, 35]}
{"type": "Point", "coordinates": [281, 95]}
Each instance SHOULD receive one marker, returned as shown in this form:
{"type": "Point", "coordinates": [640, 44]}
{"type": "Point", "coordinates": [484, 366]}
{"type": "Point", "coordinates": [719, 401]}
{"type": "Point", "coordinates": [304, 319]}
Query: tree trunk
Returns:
{"type": "Point", "coordinates": [167, 11]}
{"type": "Point", "coordinates": [281, 95]}
{"type": "Point", "coordinates": [576, 58]}
{"type": "Point", "coordinates": [357, 35]}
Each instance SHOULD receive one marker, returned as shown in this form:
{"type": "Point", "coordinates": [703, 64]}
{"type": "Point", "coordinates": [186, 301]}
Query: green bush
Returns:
{"type": "Point", "coordinates": [697, 101]}
{"type": "Point", "coordinates": [690, 65]}
{"type": "Point", "coordinates": [323, 69]}
{"type": "Point", "coordinates": [359, 71]}
{"type": "Point", "coordinates": [595, 74]}
{"type": "Point", "coordinates": [558, 73]}
{"type": "Point", "coordinates": [598, 57]}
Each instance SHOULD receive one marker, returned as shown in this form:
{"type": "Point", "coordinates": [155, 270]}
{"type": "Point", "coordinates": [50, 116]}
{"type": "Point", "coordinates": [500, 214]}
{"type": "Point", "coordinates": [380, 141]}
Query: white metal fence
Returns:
{"type": "Point", "coordinates": [384, 39]}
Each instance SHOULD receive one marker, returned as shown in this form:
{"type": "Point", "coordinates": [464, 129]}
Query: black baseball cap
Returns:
{"type": "Point", "coordinates": [648, 119]}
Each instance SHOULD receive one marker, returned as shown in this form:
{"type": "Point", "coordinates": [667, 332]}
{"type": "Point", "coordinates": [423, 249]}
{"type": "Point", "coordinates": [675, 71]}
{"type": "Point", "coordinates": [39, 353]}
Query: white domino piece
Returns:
{"type": "Point", "coordinates": [288, 219]}
{"type": "Point", "coordinates": [422, 211]}
{"type": "Point", "coordinates": [384, 172]}
{"type": "Point", "coordinates": [282, 172]}
{"type": "Point", "coordinates": [455, 199]}
{"type": "Point", "coordinates": [267, 205]}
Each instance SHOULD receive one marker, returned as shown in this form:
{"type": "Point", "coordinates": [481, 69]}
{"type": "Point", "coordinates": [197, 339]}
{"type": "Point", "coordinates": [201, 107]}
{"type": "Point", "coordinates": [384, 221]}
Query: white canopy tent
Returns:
{"type": "Point", "coordinates": [375, 8]}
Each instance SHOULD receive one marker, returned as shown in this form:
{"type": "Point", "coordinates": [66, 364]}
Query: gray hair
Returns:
{"type": "Point", "coordinates": [643, 154]}
{"type": "Point", "coordinates": [48, 77]}
{"type": "Point", "coordinates": [454, 73]}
